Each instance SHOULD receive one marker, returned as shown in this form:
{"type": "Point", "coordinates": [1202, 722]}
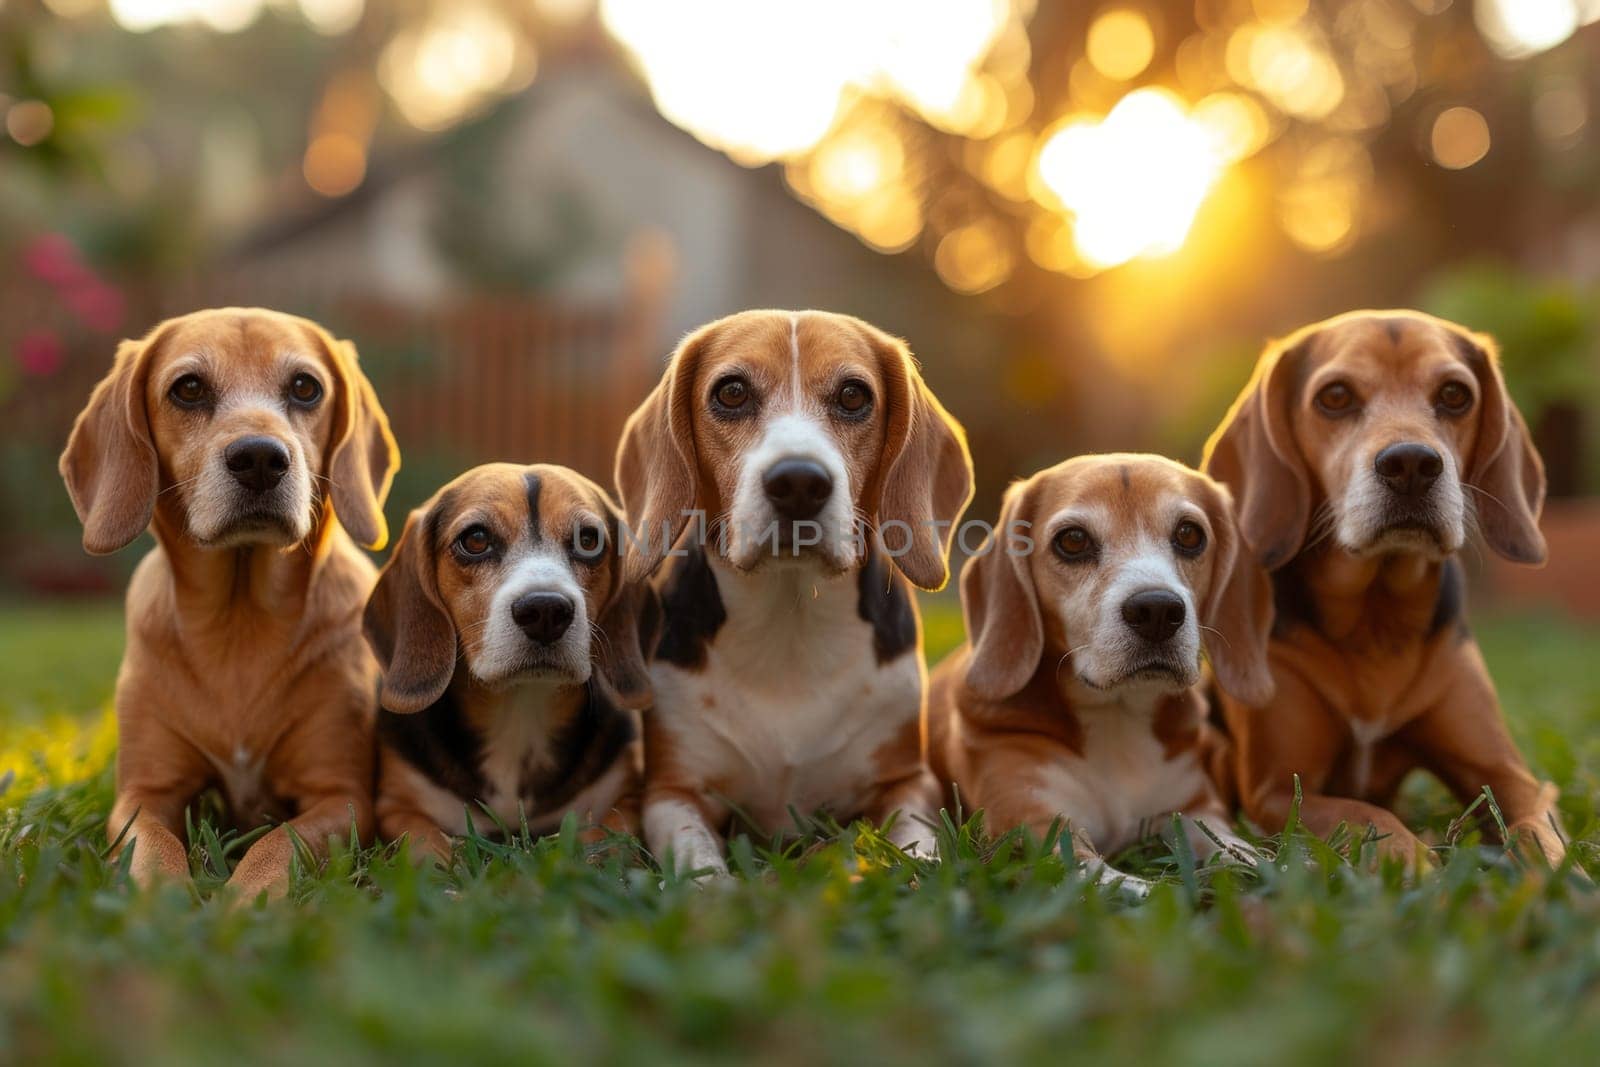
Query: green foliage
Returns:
{"type": "Point", "coordinates": [60, 658]}
{"type": "Point", "coordinates": [833, 946]}
{"type": "Point", "coordinates": [1546, 329]}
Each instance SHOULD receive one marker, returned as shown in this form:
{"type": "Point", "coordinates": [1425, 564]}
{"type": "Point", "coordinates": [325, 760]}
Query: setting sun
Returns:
{"type": "Point", "coordinates": [1132, 181]}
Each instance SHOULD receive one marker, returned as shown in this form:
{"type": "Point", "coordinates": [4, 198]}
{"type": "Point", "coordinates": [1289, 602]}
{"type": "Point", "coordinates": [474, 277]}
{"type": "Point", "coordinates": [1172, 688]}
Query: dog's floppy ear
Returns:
{"type": "Point", "coordinates": [656, 471]}
{"type": "Point", "coordinates": [1001, 608]}
{"type": "Point", "coordinates": [365, 457]}
{"type": "Point", "coordinates": [1505, 470]}
{"type": "Point", "coordinates": [924, 477]}
{"type": "Point", "coordinates": [1238, 612]}
{"type": "Point", "coordinates": [627, 631]}
{"type": "Point", "coordinates": [620, 653]}
{"type": "Point", "coordinates": [110, 463]}
{"type": "Point", "coordinates": [1254, 453]}
{"type": "Point", "coordinates": [407, 625]}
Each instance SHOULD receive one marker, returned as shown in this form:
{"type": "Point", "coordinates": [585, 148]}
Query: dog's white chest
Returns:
{"type": "Point", "coordinates": [1122, 782]}
{"type": "Point", "coordinates": [790, 708]}
{"type": "Point", "coordinates": [515, 744]}
{"type": "Point", "coordinates": [243, 782]}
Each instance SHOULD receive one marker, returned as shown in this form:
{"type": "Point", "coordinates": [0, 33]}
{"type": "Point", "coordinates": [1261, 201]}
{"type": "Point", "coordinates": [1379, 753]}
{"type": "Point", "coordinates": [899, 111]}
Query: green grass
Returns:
{"type": "Point", "coordinates": [833, 948]}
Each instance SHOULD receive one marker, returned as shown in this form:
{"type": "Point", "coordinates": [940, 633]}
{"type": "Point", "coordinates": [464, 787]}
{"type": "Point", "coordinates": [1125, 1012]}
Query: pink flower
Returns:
{"type": "Point", "coordinates": [99, 305]}
{"type": "Point", "coordinates": [40, 353]}
{"type": "Point", "coordinates": [52, 258]}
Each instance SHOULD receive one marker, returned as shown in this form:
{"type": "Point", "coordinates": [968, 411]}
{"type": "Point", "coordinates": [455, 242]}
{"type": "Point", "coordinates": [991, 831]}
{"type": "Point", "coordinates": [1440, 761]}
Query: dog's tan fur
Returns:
{"type": "Point", "coordinates": [538, 739]}
{"type": "Point", "coordinates": [1043, 714]}
{"type": "Point", "coordinates": [1375, 670]}
{"type": "Point", "coordinates": [245, 668]}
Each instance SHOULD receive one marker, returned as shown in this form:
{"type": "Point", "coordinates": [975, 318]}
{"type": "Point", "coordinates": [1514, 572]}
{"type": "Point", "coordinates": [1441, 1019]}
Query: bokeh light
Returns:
{"type": "Point", "coordinates": [1132, 181]}
{"type": "Point", "coordinates": [224, 16]}
{"type": "Point", "coordinates": [1320, 206]}
{"type": "Point", "coordinates": [334, 164]}
{"type": "Point", "coordinates": [1238, 126]}
{"type": "Point", "coordinates": [926, 53]}
{"type": "Point", "coordinates": [1280, 11]}
{"type": "Point", "coordinates": [974, 258]}
{"type": "Point", "coordinates": [1121, 44]}
{"type": "Point", "coordinates": [446, 67]}
{"type": "Point", "coordinates": [1517, 28]}
{"type": "Point", "coordinates": [765, 79]}
{"type": "Point", "coordinates": [1289, 65]}
{"type": "Point", "coordinates": [332, 17]}
{"type": "Point", "coordinates": [1460, 138]}
{"type": "Point", "coordinates": [1560, 112]}
{"type": "Point", "coordinates": [851, 167]}
{"type": "Point", "coordinates": [29, 122]}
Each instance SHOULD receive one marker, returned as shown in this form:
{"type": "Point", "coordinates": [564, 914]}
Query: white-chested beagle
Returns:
{"type": "Point", "coordinates": [788, 674]}
{"type": "Point", "coordinates": [1077, 697]}
{"type": "Point", "coordinates": [1363, 453]}
{"type": "Point", "coordinates": [248, 442]}
{"type": "Point", "coordinates": [512, 671]}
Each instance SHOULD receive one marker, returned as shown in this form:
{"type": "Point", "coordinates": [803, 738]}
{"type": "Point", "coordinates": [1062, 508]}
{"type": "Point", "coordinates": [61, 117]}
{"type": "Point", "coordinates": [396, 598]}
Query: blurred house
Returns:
{"type": "Point", "coordinates": [579, 191]}
{"type": "Point", "coordinates": [514, 286]}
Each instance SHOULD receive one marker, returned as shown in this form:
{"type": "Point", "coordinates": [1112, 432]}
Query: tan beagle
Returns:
{"type": "Point", "coordinates": [1077, 696]}
{"type": "Point", "coordinates": [512, 673]}
{"type": "Point", "coordinates": [1363, 451]}
{"type": "Point", "coordinates": [788, 675]}
{"type": "Point", "coordinates": [248, 442]}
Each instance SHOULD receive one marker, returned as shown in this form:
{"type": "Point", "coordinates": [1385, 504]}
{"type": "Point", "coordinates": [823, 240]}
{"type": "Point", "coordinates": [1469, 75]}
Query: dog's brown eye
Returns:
{"type": "Point", "coordinates": [304, 389]}
{"type": "Point", "coordinates": [1454, 398]}
{"type": "Point", "coordinates": [1189, 538]}
{"type": "Point", "coordinates": [189, 391]}
{"type": "Point", "coordinates": [474, 542]}
{"type": "Point", "coordinates": [854, 397]}
{"type": "Point", "coordinates": [588, 542]}
{"type": "Point", "coordinates": [1074, 543]}
{"type": "Point", "coordinates": [732, 393]}
{"type": "Point", "coordinates": [1335, 399]}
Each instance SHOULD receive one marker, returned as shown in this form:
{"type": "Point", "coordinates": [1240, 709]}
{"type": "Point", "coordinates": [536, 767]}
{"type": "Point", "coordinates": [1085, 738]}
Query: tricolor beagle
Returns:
{"type": "Point", "coordinates": [249, 442]}
{"type": "Point", "coordinates": [1362, 453]}
{"type": "Point", "coordinates": [512, 673]}
{"type": "Point", "coordinates": [789, 674]}
{"type": "Point", "coordinates": [1077, 696]}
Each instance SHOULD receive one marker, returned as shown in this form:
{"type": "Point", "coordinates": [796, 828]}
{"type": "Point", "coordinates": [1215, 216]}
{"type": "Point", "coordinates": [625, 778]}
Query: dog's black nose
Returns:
{"type": "Point", "coordinates": [798, 488]}
{"type": "Point", "coordinates": [257, 463]}
{"type": "Point", "coordinates": [1154, 614]}
{"type": "Point", "coordinates": [1409, 469]}
{"type": "Point", "coordinates": [544, 617]}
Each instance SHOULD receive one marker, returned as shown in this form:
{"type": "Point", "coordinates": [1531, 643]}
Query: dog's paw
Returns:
{"type": "Point", "coordinates": [1129, 887]}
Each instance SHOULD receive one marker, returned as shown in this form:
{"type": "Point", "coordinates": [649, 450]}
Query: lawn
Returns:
{"type": "Point", "coordinates": [832, 948]}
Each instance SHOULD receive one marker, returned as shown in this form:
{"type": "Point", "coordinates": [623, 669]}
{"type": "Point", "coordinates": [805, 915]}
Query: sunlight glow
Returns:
{"type": "Point", "coordinates": [850, 167]}
{"type": "Point", "coordinates": [224, 16]}
{"type": "Point", "coordinates": [1518, 28]}
{"type": "Point", "coordinates": [1132, 181]}
{"type": "Point", "coordinates": [766, 79]}
{"type": "Point", "coordinates": [857, 178]}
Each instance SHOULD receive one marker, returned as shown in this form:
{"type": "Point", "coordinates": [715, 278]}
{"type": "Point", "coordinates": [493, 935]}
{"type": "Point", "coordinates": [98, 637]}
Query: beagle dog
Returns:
{"type": "Point", "coordinates": [512, 673]}
{"type": "Point", "coordinates": [1362, 453]}
{"type": "Point", "coordinates": [802, 478]}
{"type": "Point", "coordinates": [1077, 697]}
{"type": "Point", "coordinates": [249, 443]}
